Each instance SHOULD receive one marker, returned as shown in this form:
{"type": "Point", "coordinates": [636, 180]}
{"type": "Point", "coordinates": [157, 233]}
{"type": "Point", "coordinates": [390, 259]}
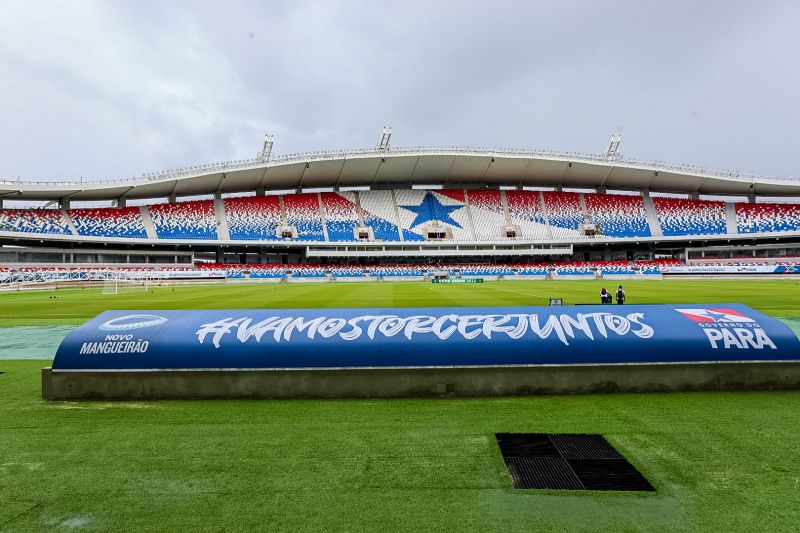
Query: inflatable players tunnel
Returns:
{"type": "Point", "coordinates": [409, 341]}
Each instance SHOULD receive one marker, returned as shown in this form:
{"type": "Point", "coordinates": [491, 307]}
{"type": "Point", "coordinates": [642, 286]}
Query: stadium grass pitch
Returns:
{"type": "Point", "coordinates": [75, 306]}
{"type": "Point", "coordinates": [719, 461]}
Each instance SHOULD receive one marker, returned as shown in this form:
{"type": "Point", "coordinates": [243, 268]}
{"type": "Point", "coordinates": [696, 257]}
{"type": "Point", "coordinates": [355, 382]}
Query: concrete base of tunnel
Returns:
{"type": "Point", "coordinates": [416, 382]}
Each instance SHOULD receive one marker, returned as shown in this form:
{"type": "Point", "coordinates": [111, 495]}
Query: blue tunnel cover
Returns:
{"type": "Point", "coordinates": [447, 336]}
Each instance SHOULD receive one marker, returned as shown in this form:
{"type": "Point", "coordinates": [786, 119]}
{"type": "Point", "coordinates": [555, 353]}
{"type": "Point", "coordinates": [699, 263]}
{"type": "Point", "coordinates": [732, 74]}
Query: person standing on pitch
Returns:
{"type": "Point", "coordinates": [620, 296]}
{"type": "Point", "coordinates": [605, 297]}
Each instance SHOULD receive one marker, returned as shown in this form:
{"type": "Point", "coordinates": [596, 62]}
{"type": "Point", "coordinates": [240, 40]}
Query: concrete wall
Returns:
{"type": "Point", "coordinates": [416, 382]}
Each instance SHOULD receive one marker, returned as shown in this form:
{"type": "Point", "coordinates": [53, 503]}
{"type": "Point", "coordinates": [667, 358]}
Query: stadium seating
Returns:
{"type": "Point", "coordinates": [303, 212]}
{"type": "Point", "coordinates": [690, 217]}
{"type": "Point", "coordinates": [253, 217]}
{"type": "Point", "coordinates": [654, 267]}
{"type": "Point", "coordinates": [488, 216]}
{"type": "Point", "coordinates": [230, 271]}
{"type": "Point", "coordinates": [532, 269]}
{"type": "Point", "coordinates": [564, 213]}
{"type": "Point", "coordinates": [618, 215]}
{"type": "Point", "coordinates": [617, 268]}
{"type": "Point", "coordinates": [347, 271]}
{"type": "Point", "coordinates": [378, 210]}
{"type": "Point", "coordinates": [185, 220]}
{"type": "Point", "coordinates": [480, 270]}
{"type": "Point", "coordinates": [270, 271]}
{"type": "Point", "coordinates": [399, 270]}
{"type": "Point", "coordinates": [575, 268]}
{"type": "Point", "coordinates": [525, 211]}
{"type": "Point", "coordinates": [109, 222]}
{"type": "Point", "coordinates": [341, 215]}
{"type": "Point", "coordinates": [45, 221]}
{"type": "Point", "coordinates": [767, 217]}
{"type": "Point", "coordinates": [420, 209]}
{"type": "Point", "coordinates": [306, 271]}
{"type": "Point", "coordinates": [406, 214]}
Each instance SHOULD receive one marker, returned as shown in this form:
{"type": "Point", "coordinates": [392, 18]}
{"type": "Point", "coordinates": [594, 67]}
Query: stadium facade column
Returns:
{"type": "Point", "coordinates": [694, 196]}
{"type": "Point", "coordinates": [1, 203]}
{"type": "Point", "coordinates": [122, 202]}
{"type": "Point", "coordinates": [220, 255]}
{"type": "Point", "coordinates": [261, 191]}
{"type": "Point", "coordinates": [172, 198]}
{"type": "Point", "coordinates": [63, 203]}
{"type": "Point", "coordinates": [600, 189]}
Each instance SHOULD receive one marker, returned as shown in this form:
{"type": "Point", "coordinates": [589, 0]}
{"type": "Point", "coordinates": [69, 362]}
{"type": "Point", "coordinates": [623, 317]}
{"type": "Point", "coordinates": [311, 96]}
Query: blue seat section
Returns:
{"type": "Point", "coordinates": [341, 215]}
{"type": "Point", "coordinates": [253, 218]}
{"type": "Point", "coordinates": [399, 270]}
{"type": "Point", "coordinates": [124, 222]}
{"type": "Point", "coordinates": [268, 271]}
{"type": "Point", "coordinates": [564, 212]}
{"type": "Point", "coordinates": [618, 215]}
{"type": "Point", "coordinates": [45, 221]}
{"type": "Point", "coordinates": [767, 217]}
{"type": "Point", "coordinates": [573, 269]}
{"type": "Point", "coordinates": [532, 269]}
{"type": "Point", "coordinates": [482, 270]}
{"type": "Point", "coordinates": [679, 216]}
{"type": "Point", "coordinates": [185, 220]}
{"type": "Point", "coordinates": [348, 272]}
{"type": "Point", "coordinates": [302, 212]}
{"type": "Point", "coordinates": [619, 268]}
{"type": "Point", "coordinates": [307, 271]}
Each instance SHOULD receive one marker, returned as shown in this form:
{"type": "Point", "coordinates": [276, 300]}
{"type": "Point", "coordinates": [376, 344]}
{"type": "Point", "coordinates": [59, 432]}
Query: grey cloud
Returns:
{"type": "Point", "coordinates": [158, 85]}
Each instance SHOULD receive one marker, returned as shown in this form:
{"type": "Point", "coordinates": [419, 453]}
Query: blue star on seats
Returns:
{"type": "Point", "coordinates": [432, 209]}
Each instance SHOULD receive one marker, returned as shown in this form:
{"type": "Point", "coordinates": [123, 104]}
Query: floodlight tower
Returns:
{"type": "Point", "coordinates": [383, 144]}
{"type": "Point", "coordinates": [266, 150]}
{"type": "Point", "coordinates": [612, 153]}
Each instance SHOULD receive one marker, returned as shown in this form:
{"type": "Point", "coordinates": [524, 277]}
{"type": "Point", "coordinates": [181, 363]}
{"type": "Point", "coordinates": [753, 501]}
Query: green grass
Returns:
{"type": "Point", "coordinates": [720, 461]}
{"type": "Point", "coordinates": [778, 297]}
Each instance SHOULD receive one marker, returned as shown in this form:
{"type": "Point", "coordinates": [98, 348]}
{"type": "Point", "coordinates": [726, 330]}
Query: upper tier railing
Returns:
{"type": "Point", "coordinates": [343, 154]}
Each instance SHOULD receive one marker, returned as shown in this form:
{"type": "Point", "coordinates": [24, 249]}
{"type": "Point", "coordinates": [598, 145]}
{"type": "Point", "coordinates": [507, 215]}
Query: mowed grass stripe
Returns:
{"type": "Point", "coordinates": [74, 306]}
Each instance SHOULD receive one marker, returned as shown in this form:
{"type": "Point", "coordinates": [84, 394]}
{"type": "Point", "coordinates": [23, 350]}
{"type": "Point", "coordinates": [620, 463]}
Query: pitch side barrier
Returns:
{"type": "Point", "coordinates": [422, 351]}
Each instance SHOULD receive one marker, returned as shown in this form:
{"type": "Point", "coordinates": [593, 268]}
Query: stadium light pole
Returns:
{"type": "Point", "coordinates": [266, 150]}
{"type": "Point", "coordinates": [383, 143]}
{"type": "Point", "coordinates": [613, 147]}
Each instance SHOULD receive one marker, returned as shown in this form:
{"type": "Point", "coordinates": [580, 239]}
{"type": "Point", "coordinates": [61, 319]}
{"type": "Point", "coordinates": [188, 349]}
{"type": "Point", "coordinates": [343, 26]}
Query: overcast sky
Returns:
{"type": "Point", "coordinates": [112, 89]}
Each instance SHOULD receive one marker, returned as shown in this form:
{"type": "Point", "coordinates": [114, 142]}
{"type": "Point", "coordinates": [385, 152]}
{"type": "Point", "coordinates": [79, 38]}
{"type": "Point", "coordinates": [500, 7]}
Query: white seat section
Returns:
{"type": "Point", "coordinates": [420, 209]}
{"type": "Point", "coordinates": [377, 208]}
{"type": "Point", "coordinates": [525, 211]}
{"type": "Point", "coordinates": [488, 217]}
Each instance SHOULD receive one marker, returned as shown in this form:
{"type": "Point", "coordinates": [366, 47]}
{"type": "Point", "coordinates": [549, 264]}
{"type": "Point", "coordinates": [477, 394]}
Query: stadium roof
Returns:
{"type": "Point", "coordinates": [452, 166]}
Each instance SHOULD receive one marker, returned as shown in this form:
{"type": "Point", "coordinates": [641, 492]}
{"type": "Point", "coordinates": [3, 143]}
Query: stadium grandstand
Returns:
{"type": "Point", "coordinates": [403, 214]}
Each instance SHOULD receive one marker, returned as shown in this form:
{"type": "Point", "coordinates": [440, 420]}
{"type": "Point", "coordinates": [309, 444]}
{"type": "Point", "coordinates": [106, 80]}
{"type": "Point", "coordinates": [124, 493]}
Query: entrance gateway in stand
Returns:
{"type": "Point", "coordinates": [496, 347]}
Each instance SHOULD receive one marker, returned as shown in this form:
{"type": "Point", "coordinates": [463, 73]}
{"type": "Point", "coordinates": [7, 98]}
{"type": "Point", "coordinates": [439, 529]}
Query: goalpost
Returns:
{"type": "Point", "coordinates": [124, 283]}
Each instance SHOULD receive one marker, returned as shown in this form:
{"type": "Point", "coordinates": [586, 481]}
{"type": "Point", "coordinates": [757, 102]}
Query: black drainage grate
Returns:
{"type": "Point", "coordinates": [568, 462]}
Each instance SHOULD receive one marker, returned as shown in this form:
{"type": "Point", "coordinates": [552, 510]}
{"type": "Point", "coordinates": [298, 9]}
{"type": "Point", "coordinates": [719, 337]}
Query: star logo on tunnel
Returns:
{"type": "Point", "coordinates": [431, 209]}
